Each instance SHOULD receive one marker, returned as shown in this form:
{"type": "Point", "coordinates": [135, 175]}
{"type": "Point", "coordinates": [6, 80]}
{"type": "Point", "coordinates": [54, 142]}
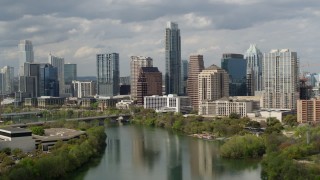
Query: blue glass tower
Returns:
{"type": "Point", "coordinates": [236, 66]}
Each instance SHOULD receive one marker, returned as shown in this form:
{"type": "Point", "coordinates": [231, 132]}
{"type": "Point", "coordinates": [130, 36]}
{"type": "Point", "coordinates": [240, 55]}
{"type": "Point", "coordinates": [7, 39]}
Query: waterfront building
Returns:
{"type": "Point", "coordinates": [124, 104]}
{"type": "Point", "coordinates": [108, 74]}
{"type": "Point", "coordinates": [58, 62]}
{"type": "Point", "coordinates": [184, 76]}
{"type": "Point", "coordinates": [173, 59]}
{"type": "Point", "coordinates": [196, 65]}
{"type": "Point", "coordinates": [84, 89]}
{"type": "Point", "coordinates": [254, 64]}
{"type": "Point", "coordinates": [308, 111]}
{"type": "Point", "coordinates": [280, 78]}
{"type": "Point", "coordinates": [225, 106]}
{"type": "Point", "coordinates": [49, 101]}
{"type": "Point", "coordinates": [137, 62]}
{"type": "Point", "coordinates": [25, 54]}
{"type": "Point", "coordinates": [236, 66]}
{"type": "Point", "coordinates": [149, 83]}
{"type": "Point", "coordinates": [168, 103]}
{"type": "Point", "coordinates": [14, 138]}
{"type": "Point", "coordinates": [213, 84]}
{"type": "Point", "coordinates": [7, 79]}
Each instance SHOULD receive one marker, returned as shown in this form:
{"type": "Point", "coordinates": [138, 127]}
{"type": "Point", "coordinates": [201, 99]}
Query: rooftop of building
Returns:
{"type": "Point", "coordinates": [253, 50]}
{"type": "Point", "coordinates": [54, 134]}
{"type": "Point", "coordinates": [213, 67]}
{"type": "Point", "coordinates": [13, 130]}
{"type": "Point", "coordinates": [149, 69]}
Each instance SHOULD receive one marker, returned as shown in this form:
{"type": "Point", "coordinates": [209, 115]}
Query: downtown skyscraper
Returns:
{"type": "Point", "coordinates": [236, 66]}
{"type": "Point", "coordinates": [108, 74]}
{"type": "Point", "coordinates": [173, 59]}
{"type": "Point", "coordinates": [196, 65]}
{"type": "Point", "coordinates": [254, 69]}
{"type": "Point", "coordinates": [58, 62]}
{"type": "Point", "coordinates": [137, 62]}
{"type": "Point", "coordinates": [280, 79]}
{"type": "Point", "coordinates": [25, 54]}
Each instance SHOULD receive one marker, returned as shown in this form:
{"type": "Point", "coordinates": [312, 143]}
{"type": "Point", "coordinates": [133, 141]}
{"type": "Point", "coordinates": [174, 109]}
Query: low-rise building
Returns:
{"type": "Point", "coordinates": [16, 138]}
{"type": "Point", "coordinates": [180, 104]}
{"type": "Point", "coordinates": [124, 104]}
{"type": "Point", "coordinates": [46, 101]}
{"type": "Point", "coordinates": [33, 102]}
{"type": "Point", "coordinates": [225, 106]}
{"type": "Point", "coordinates": [53, 135]}
{"type": "Point", "coordinates": [87, 102]}
{"type": "Point", "coordinates": [308, 111]}
{"type": "Point", "coordinates": [264, 114]}
{"type": "Point", "coordinates": [107, 102]}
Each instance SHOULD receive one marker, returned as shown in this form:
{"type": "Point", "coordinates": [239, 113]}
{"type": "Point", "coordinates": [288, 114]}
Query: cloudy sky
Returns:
{"type": "Point", "coordinates": [78, 29]}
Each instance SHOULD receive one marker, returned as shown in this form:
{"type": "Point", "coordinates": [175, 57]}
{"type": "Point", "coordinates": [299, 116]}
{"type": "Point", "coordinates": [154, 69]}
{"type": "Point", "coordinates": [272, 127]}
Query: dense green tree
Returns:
{"type": "Point", "coordinates": [37, 130]}
{"type": "Point", "coordinates": [234, 116]}
{"type": "Point", "coordinates": [290, 120]}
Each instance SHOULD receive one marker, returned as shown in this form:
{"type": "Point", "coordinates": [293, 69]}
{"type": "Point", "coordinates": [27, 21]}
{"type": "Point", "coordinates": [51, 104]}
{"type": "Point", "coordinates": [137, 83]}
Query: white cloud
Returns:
{"type": "Point", "coordinates": [86, 51]}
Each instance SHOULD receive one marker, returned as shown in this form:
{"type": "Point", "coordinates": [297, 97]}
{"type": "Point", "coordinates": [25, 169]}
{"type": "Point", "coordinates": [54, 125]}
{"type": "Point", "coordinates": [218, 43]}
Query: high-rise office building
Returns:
{"type": "Point", "coordinates": [49, 83]}
{"type": "Point", "coordinates": [28, 86]}
{"type": "Point", "coordinates": [30, 82]}
{"type": "Point", "coordinates": [149, 83]}
{"type": "Point", "coordinates": [1, 83]}
{"type": "Point", "coordinates": [254, 64]}
{"type": "Point", "coordinates": [108, 74]}
{"type": "Point", "coordinates": [173, 59]}
{"type": "Point", "coordinates": [70, 73]}
{"type": "Point", "coordinates": [196, 65]}
{"type": "Point", "coordinates": [280, 79]}
{"type": "Point", "coordinates": [7, 79]}
{"type": "Point", "coordinates": [25, 54]}
{"type": "Point", "coordinates": [136, 63]}
{"type": "Point", "coordinates": [58, 62]}
{"type": "Point", "coordinates": [184, 76]}
{"type": "Point", "coordinates": [236, 67]}
{"type": "Point", "coordinates": [84, 89]}
{"type": "Point", "coordinates": [213, 84]}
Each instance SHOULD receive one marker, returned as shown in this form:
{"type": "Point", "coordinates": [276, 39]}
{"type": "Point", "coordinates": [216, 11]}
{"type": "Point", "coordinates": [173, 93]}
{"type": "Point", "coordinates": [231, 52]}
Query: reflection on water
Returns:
{"type": "Point", "coordinates": [150, 153]}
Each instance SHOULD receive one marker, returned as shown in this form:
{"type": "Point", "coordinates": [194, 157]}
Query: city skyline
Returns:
{"type": "Point", "coordinates": [210, 28]}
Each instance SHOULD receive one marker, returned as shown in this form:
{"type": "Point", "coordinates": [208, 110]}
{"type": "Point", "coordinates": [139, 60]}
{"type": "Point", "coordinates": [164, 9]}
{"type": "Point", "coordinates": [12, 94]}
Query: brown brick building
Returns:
{"type": "Point", "coordinates": [308, 111]}
{"type": "Point", "coordinates": [196, 65]}
{"type": "Point", "coordinates": [149, 83]}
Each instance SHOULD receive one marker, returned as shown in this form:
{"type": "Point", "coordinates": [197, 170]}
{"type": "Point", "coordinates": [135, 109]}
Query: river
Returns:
{"type": "Point", "coordinates": [142, 153]}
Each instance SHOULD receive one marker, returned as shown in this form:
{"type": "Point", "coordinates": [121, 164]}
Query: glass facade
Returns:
{"type": "Point", "coordinates": [173, 59]}
{"type": "Point", "coordinates": [49, 84]}
{"type": "Point", "coordinates": [108, 74]}
{"type": "Point", "coordinates": [236, 67]}
{"type": "Point", "coordinates": [70, 73]}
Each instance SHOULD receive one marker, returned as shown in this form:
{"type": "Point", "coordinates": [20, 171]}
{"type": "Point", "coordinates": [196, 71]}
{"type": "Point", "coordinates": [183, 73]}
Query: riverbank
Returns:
{"type": "Point", "coordinates": [63, 157]}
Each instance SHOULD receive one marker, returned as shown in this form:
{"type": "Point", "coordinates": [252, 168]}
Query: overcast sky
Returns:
{"type": "Point", "coordinates": [78, 29]}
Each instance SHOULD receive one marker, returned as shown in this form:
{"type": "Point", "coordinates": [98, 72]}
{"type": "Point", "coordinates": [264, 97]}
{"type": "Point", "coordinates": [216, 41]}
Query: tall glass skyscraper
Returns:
{"type": "Point", "coordinates": [254, 67]}
{"type": "Point", "coordinates": [58, 62]}
{"type": "Point", "coordinates": [236, 67]}
{"type": "Point", "coordinates": [281, 79]}
{"type": "Point", "coordinates": [49, 84]}
{"type": "Point", "coordinates": [108, 74]}
{"type": "Point", "coordinates": [25, 54]}
{"type": "Point", "coordinates": [70, 73]}
{"type": "Point", "coordinates": [173, 59]}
